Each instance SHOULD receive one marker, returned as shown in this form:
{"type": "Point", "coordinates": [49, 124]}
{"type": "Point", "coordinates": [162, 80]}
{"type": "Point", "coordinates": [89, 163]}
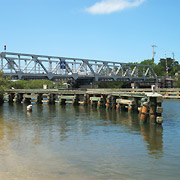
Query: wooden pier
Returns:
{"type": "Point", "coordinates": [147, 104]}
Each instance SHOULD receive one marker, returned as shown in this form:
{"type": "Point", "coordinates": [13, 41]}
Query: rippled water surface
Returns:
{"type": "Point", "coordinates": [66, 142]}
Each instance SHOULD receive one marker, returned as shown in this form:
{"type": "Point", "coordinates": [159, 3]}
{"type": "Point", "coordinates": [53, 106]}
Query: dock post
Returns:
{"type": "Point", "coordinates": [1, 99]}
{"type": "Point", "coordinates": [39, 99]}
{"type": "Point", "coordinates": [62, 101]}
{"type": "Point", "coordinates": [18, 97]}
{"type": "Point", "coordinates": [130, 108]}
{"type": "Point", "coordinates": [144, 112]}
{"type": "Point", "coordinates": [107, 102]}
{"type": "Point", "coordinates": [84, 100]}
{"type": "Point", "coordinates": [88, 98]}
{"type": "Point", "coordinates": [91, 103]}
{"type": "Point", "coordinates": [11, 97]}
{"type": "Point", "coordinates": [118, 106]}
{"type": "Point", "coordinates": [113, 102]}
{"type": "Point", "coordinates": [136, 104]}
{"type": "Point", "coordinates": [152, 110]}
{"type": "Point", "coordinates": [99, 104]}
{"type": "Point", "coordinates": [76, 100]}
{"type": "Point", "coordinates": [26, 99]}
{"type": "Point", "coordinates": [159, 110]}
{"type": "Point", "coordinates": [51, 99]}
{"type": "Point", "coordinates": [102, 102]}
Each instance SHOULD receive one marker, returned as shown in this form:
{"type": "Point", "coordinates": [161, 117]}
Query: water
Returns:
{"type": "Point", "coordinates": [66, 142]}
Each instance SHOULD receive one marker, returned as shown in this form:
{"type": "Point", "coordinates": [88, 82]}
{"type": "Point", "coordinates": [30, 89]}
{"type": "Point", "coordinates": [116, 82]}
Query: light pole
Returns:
{"type": "Point", "coordinates": [166, 66]}
{"type": "Point", "coordinates": [153, 46]}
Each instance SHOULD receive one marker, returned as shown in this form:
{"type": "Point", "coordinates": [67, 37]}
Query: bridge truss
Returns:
{"type": "Point", "coordinates": [31, 66]}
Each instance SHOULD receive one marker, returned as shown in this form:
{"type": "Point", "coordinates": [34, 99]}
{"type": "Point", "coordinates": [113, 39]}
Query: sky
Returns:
{"type": "Point", "coordinates": [113, 30]}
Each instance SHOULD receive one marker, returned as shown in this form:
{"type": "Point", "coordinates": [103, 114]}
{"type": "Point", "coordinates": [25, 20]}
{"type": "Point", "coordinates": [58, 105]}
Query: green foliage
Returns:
{"type": "Point", "coordinates": [148, 62]}
{"type": "Point", "coordinates": [178, 81]}
{"type": "Point", "coordinates": [3, 84]}
{"type": "Point", "coordinates": [160, 68]}
{"type": "Point", "coordinates": [173, 66]}
{"type": "Point", "coordinates": [32, 84]}
{"type": "Point", "coordinates": [110, 84]}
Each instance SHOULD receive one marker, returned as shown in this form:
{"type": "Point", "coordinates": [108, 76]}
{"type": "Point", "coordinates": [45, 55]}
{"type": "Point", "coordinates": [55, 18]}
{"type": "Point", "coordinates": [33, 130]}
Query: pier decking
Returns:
{"type": "Point", "coordinates": [148, 104]}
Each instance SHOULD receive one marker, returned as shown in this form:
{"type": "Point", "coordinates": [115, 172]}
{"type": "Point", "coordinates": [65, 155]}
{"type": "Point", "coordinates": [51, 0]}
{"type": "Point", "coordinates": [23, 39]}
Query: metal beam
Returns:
{"type": "Point", "coordinates": [50, 67]}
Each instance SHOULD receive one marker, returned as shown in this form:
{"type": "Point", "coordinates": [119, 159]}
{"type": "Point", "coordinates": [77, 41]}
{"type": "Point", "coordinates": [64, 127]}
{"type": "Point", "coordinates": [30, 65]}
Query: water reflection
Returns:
{"type": "Point", "coordinates": [45, 122]}
{"type": "Point", "coordinates": [153, 135]}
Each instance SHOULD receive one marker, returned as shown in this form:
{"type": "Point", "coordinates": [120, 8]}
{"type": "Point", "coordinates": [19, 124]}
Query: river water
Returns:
{"type": "Point", "coordinates": [64, 142]}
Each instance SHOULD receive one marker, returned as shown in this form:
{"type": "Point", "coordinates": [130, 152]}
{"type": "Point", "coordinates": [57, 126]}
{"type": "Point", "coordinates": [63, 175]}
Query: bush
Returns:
{"type": "Point", "coordinates": [110, 84]}
{"type": "Point", "coordinates": [32, 84]}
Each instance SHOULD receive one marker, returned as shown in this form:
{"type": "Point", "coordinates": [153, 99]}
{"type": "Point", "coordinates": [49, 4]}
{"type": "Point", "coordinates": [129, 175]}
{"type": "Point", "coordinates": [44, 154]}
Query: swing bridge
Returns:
{"type": "Point", "coordinates": [31, 66]}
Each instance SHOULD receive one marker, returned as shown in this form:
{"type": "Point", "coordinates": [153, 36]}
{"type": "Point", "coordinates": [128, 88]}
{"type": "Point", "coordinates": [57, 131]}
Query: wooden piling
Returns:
{"type": "Point", "coordinates": [159, 110]}
{"type": "Point", "coordinates": [152, 109]}
{"type": "Point", "coordinates": [51, 99]}
{"type": "Point", "coordinates": [130, 108]}
{"type": "Point", "coordinates": [144, 113]}
{"type": "Point", "coordinates": [39, 99]}
{"type": "Point", "coordinates": [118, 106]}
{"type": "Point", "coordinates": [128, 101]}
{"type": "Point", "coordinates": [11, 97]}
{"type": "Point", "coordinates": [18, 98]}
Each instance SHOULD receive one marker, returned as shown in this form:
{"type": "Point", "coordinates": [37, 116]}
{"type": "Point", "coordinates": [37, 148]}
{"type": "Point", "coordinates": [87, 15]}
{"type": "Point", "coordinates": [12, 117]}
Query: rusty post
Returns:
{"type": "Point", "coordinates": [118, 106]}
{"type": "Point", "coordinates": [130, 108]}
{"type": "Point", "coordinates": [144, 113]}
{"type": "Point", "coordinates": [152, 110]}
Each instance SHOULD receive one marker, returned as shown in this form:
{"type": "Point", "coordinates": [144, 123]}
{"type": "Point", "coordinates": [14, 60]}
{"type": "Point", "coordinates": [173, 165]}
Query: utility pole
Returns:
{"type": "Point", "coordinates": [173, 59]}
{"type": "Point", "coordinates": [153, 46]}
{"type": "Point", "coordinates": [166, 65]}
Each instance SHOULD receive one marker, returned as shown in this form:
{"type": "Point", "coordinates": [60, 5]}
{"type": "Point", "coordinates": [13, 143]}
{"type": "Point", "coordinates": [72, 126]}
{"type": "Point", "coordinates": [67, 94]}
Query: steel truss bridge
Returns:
{"type": "Point", "coordinates": [31, 66]}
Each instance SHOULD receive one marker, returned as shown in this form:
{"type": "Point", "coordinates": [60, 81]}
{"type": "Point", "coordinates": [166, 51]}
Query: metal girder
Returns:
{"type": "Point", "coordinates": [24, 66]}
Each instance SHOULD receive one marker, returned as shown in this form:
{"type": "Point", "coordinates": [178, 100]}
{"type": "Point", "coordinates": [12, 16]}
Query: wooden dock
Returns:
{"type": "Point", "coordinates": [146, 103]}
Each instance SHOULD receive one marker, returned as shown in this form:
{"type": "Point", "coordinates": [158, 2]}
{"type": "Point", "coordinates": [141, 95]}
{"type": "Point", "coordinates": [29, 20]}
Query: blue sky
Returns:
{"type": "Point", "coordinates": [117, 30]}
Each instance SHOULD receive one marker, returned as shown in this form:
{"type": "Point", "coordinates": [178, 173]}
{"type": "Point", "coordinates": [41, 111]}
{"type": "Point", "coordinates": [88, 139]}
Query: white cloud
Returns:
{"type": "Point", "coordinates": [109, 6]}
